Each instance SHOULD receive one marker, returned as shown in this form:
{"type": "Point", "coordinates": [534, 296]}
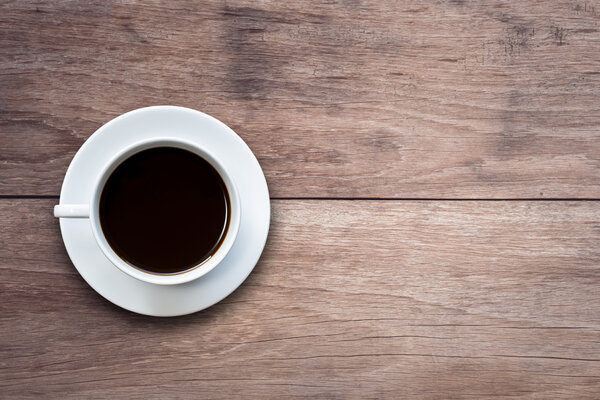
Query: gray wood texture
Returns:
{"type": "Point", "coordinates": [411, 99]}
{"type": "Point", "coordinates": [389, 101]}
{"type": "Point", "coordinates": [351, 299]}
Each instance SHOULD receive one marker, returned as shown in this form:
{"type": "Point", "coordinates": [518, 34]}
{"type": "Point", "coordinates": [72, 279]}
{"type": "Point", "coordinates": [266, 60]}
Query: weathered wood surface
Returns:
{"type": "Point", "coordinates": [432, 99]}
{"type": "Point", "coordinates": [352, 299]}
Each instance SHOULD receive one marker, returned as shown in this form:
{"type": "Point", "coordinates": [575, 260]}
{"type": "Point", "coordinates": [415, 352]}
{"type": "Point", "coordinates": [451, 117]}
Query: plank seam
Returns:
{"type": "Point", "coordinates": [26, 196]}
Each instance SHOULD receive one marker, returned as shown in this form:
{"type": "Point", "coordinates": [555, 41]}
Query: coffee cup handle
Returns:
{"type": "Point", "coordinates": [72, 211]}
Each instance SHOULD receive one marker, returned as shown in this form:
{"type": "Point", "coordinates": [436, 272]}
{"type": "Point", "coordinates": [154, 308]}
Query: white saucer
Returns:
{"type": "Point", "coordinates": [166, 300]}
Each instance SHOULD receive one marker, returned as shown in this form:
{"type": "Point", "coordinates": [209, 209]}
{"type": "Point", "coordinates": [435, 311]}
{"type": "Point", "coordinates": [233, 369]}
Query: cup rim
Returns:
{"type": "Point", "coordinates": [194, 272]}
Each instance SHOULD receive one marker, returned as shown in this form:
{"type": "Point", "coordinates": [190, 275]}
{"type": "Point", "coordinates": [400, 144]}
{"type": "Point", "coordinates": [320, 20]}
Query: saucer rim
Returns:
{"type": "Point", "coordinates": [259, 243]}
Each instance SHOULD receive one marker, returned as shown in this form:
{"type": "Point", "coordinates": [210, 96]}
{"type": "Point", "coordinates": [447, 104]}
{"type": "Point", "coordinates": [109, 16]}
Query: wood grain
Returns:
{"type": "Point", "coordinates": [351, 299]}
{"type": "Point", "coordinates": [412, 99]}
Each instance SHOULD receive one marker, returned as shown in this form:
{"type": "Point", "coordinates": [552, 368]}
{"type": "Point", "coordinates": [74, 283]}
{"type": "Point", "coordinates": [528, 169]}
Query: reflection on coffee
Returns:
{"type": "Point", "coordinates": [164, 210]}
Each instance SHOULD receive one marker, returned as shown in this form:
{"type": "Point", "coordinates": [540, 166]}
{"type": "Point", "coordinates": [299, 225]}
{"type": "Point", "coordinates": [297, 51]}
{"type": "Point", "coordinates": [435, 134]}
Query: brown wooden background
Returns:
{"type": "Point", "coordinates": [435, 174]}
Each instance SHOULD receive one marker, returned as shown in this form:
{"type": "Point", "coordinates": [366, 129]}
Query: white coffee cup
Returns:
{"type": "Point", "coordinates": [91, 211]}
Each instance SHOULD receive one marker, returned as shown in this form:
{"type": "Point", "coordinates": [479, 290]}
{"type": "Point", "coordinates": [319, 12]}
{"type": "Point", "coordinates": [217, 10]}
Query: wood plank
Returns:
{"type": "Point", "coordinates": [351, 299]}
{"type": "Point", "coordinates": [435, 99]}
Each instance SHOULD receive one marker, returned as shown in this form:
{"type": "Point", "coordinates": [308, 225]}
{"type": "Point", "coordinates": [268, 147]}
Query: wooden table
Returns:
{"type": "Point", "coordinates": [435, 174]}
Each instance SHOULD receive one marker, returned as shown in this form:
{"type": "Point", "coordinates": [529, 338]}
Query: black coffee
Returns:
{"type": "Point", "coordinates": [164, 210]}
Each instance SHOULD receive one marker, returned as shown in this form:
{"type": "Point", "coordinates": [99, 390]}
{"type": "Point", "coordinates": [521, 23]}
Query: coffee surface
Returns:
{"type": "Point", "coordinates": [164, 210]}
